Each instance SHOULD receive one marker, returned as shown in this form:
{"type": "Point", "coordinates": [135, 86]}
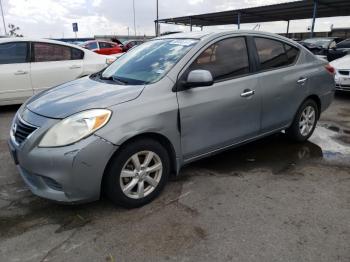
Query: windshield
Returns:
{"type": "Point", "coordinates": [148, 62]}
{"type": "Point", "coordinates": [318, 41]}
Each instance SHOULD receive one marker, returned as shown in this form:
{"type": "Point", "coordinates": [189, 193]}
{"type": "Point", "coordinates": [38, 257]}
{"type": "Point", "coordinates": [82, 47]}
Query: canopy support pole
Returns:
{"type": "Point", "coordinates": [239, 20]}
{"type": "Point", "coordinates": [314, 18]}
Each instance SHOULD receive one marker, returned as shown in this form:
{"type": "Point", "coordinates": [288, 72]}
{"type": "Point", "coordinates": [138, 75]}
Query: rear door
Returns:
{"type": "Point", "coordinates": [283, 82]}
{"type": "Point", "coordinates": [227, 112]}
{"type": "Point", "coordinates": [54, 64]}
{"type": "Point", "coordinates": [15, 85]}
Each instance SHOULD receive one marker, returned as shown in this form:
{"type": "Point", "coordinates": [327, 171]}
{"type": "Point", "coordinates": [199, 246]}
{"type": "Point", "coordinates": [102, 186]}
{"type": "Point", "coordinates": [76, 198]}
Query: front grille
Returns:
{"type": "Point", "coordinates": [22, 130]}
{"type": "Point", "coordinates": [343, 72]}
{"type": "Point", "coordinates": [342, 86]}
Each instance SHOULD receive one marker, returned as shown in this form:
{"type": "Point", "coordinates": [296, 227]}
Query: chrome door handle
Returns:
{"type": "Point", "coordinates": [302, 80]}
{"type": "Point", "coordinates": [248, 93]}
{"type": "Point", "coordinates": [74, 67]}
{"type": "Point", "coordinates": [21, 72]}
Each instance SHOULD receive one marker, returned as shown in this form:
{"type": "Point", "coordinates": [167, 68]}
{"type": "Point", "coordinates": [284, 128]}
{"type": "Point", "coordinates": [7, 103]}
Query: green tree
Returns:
{"type": "Point", "coordinates": [13, 30]}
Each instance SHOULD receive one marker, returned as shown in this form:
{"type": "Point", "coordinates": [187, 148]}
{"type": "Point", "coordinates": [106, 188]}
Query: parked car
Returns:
{"type": "Point", "coordinates": [127, 45]}
{"type": "Point", "coordinates": [102, 47]}
{"type": "Point", "coordinates": [28, 66]}
{"type": "Point", "coordinates": [173, 100]}
{"type": "Point", "coordinates": [342, 73]}
{"type": "Point", "coordinates": [320, 45]}
{"type": "Point", "coordinates": [340, 50]}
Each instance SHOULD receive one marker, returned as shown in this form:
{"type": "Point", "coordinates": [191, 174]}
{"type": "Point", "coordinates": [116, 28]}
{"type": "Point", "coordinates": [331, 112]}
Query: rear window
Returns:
{"type": "Point", "coordinates": [275, 54]}
{"type": "Point", "coordinates": [13, 53]}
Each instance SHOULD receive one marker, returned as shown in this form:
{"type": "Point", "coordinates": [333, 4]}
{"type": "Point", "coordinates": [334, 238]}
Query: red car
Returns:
{"type": "Point", "coordinates": [103, 47]}
{"type": "Point", "coordinates": [127, 45]}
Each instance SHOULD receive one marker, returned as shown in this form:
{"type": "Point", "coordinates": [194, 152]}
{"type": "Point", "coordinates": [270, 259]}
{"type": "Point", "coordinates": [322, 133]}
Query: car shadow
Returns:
{"type": "Point", "coordinates": [276, 152]}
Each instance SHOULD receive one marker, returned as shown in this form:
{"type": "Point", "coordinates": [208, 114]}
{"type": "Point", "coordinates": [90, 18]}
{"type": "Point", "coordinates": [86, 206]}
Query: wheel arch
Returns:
{"type": "Point", "coordinates": [163, 140]}
{"type": "Point", "coordinates": [314, 98]}
{"type": "Point", "coordinates": [317, 101]}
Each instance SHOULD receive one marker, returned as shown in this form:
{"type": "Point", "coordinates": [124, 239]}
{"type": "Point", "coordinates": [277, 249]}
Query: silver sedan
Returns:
{"type": "Point", "coordinates": [168, 102]}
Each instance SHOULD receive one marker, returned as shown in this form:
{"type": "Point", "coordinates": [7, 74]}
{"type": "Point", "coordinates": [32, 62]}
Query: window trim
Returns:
{"type": "Point", "coordinates": [255, 50]}
{"type": "Point", "coordinates": [28, 55]}
{"type": "Point", "coordinates": [32, 53]}
{"type": "Point", "coordinates": [178, 88]}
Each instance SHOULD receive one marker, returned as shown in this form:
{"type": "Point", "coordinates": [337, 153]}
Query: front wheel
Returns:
{"type": "Point", "coordinates": [137, 173]}
{"type": "Point", "coordinates": [304, 122]}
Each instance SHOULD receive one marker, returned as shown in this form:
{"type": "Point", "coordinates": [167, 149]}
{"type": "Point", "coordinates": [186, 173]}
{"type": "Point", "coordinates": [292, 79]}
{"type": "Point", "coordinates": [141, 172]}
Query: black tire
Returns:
{"type": "Point", "coordinates": [112, 185]}
{"type": "Point", "coordinates": [294, 131]}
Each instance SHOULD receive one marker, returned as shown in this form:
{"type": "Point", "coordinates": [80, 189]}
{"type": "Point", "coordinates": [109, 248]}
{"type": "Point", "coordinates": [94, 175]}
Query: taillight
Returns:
{"type": "Point", "coordinates": [330, 69]}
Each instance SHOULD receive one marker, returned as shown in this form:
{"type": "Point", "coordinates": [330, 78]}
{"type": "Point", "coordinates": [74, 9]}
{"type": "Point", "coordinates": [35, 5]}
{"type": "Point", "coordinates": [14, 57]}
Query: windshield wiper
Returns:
{"type": "Point", "coordinates": [120, 80]}
{"type": "Point", "coordinates": [114, 79]}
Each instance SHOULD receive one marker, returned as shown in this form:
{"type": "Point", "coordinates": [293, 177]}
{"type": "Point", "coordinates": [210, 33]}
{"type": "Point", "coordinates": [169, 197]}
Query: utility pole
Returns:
{"type": "Point", "coordinates": [3, 17]}
{"type": "Point", "coordinates": [157, 24]}
{"type": "Point", "coordinates": [133, 7]}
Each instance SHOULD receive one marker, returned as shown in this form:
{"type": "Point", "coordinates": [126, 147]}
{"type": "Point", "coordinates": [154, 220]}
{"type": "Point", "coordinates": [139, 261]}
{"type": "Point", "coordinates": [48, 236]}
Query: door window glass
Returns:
{"type": "Point", "coordinates": [225, 59]}
{"type": "Point", "coordinates": [77, 54]}
{"type": "Point", "coordinates": [274, 54]}
{"type": "Point", "coordinates": [292, 53]}
{"type": "Point", "coordinates": [91, 45]}
{"type": "Point", "coordinates": [271, 53]}
{"type": "Point", "coordinates": [12, 53]}
{"type": "Point", "coordinates": [105, 45]}
{"type": "Point", "coordinates": [44, 52]}
{"type": "Point", "coordinates": [344, 44]}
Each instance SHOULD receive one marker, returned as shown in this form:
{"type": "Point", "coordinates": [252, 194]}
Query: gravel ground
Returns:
{"type": "Point", "coordinates": [270, 200]}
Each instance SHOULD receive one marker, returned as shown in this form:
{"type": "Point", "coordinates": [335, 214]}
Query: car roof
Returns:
{"type": "Point", "coordinates": [26, 39]}
{"type": "Point", "coordinates": [320, 37]}
{"type": "Point", "coordinates": [96, 40]}
{"type": "Point", "coordinates": [212, 35]}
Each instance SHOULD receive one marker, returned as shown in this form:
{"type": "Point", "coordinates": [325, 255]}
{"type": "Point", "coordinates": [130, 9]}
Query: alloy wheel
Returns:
{"type": "Point", "coordinates": [141, 174]}
{"type": "Point", "coordinates": [307, 121]}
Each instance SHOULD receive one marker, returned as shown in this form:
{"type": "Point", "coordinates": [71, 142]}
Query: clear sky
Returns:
{"type": "Point", "coordinates": [54, 18]}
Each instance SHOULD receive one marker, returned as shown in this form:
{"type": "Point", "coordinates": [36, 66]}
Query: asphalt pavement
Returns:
{"type": "Point", "coordinates": [271, 200]}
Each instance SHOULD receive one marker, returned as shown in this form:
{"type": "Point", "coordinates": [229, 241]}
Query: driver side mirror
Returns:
{"type": "Point", "coordinates": [198, 78]}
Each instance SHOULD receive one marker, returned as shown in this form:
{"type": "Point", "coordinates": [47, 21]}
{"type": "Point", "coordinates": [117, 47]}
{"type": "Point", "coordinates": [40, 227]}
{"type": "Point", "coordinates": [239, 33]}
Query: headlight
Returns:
{"type": "Point", "coordinates": [75, 127]}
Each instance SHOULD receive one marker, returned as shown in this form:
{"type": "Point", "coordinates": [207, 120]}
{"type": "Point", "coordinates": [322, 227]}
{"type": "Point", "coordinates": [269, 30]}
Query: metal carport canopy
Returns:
{"type": "Point", "coordinates": [269, 13]}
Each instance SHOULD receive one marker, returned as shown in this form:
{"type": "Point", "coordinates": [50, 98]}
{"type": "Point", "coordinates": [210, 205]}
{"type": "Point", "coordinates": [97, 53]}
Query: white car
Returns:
{"type": "Point", "coordinates": [342, 73]}
{"type": "Point", "coordinates": [28, 66]}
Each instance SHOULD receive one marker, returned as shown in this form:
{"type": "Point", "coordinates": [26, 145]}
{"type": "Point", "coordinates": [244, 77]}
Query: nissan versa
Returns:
{"type": "Point", "coordinates": [123, 131]}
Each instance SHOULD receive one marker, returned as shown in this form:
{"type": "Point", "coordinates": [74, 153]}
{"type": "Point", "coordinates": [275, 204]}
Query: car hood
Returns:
{"type": "Point", "coordinates": [80, 95]}
{"type": "Point", "coordinates": [341, 63]}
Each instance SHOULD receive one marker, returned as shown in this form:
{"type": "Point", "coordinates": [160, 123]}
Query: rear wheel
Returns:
{"type": "Point", "coordinates": [138, 173]}
{"type": "Point", "coordinates": [304, 122]}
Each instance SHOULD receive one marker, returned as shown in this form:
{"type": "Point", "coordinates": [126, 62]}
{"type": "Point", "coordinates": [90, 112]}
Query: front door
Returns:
{"type": "Point", "coordinates": [228, 112]}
